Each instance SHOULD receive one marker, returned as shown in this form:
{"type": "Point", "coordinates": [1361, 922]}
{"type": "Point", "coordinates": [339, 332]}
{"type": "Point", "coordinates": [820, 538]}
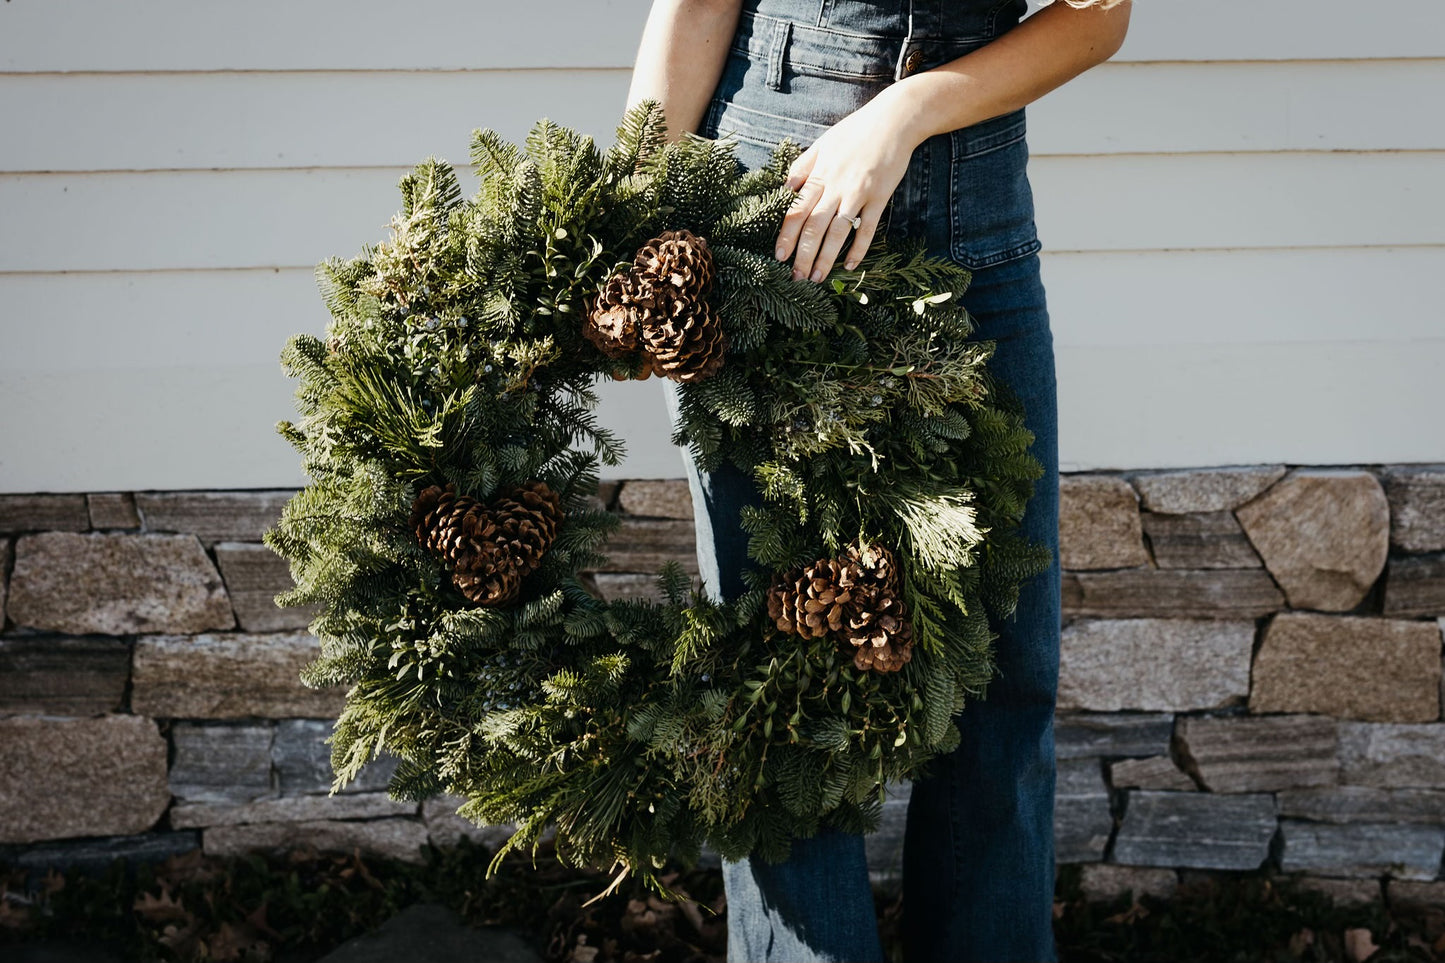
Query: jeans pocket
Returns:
{"type": "Point", "coordinates": [991, 219]}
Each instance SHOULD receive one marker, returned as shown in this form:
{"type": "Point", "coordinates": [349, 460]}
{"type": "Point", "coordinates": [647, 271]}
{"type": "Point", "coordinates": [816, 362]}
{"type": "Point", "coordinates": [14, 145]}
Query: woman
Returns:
{"type": "Point", "coordinates": [912, 115]}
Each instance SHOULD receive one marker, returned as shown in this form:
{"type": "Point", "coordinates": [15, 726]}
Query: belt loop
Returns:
{"type": "Point", "coordinates": [899, 71]}
{"type": "Point", "coordinates": [782, 29]}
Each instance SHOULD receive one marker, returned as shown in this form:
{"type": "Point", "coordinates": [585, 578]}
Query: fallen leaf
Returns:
{"type": "Point", "coordinates": [1359, 944]}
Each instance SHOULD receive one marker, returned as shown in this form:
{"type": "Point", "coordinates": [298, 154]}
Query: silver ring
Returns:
{"type": "Point", "coordinates": [855, 220]}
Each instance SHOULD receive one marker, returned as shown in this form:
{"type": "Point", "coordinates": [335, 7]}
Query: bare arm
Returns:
{"type": "Point", "coordinates": [681, 56]}
{"type": "Point", "coordinates": [1048, 49]}
{"type": "Point", "coordinates": [854, 166]}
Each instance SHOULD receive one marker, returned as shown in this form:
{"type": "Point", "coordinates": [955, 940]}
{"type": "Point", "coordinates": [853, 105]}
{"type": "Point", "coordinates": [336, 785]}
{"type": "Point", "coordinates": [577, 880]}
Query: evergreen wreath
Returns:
{"type": "Point", "coordinates": [447, 424]}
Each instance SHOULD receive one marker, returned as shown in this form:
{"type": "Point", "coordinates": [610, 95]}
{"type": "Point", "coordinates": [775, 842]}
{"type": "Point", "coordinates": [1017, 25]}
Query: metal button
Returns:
{"type": "Point", "coordinates": [915, 59]}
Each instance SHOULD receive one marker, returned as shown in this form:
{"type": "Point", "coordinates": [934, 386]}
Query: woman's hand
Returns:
{"type": "Point", "coordinates": [852, 168]}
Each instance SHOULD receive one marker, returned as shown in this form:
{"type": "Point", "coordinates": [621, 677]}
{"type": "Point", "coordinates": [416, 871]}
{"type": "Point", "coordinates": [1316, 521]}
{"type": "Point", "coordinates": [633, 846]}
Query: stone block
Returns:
{"type": "Point", "coordinates": [221, 763]}
{"type": "Point", "coordinates": [445, 827]}
{"type": "Point", "coordinates": [63, 675]}
{"type": "Point", "coordinates": [1099, 523]}
{"type": "Point", "coordinates": [1154, 772]}
{"type": "Point", "coordinates": [5, 552]}
{"type": "Point", "coordinates": [229, 676]}
{"type": "Point", "coordinates": [1417, 506]}
{"type": "Point", "coordinates": [1195, 829]}
{"type": "Point", "coordinates": [392, 838]}
{"type": "Point", "coordinates": [1204, 489]}
{"type": "Point", "coordinates": [302, 758]}
{"type": "Point", "coordinates": [606, 495]}
{"type": "Point", "coordinates": [40, 512]}
{"type": "Point", "coordinates": [104, 776]}
{"type": "Point", "coordinates": [254, 575]}
{"type": "Point", "coordinates": [1361, 849]}
{"type": "Point", "coordinates": [112, 510]}
{"type": "Point", "coordinates": [1155, 664]}
{"type": "Point", "coordinates": [1415, 585]}
{"type": "Point", "coordinates": [1106, 882]}
{"type": "Point", "coordinates": [116, 584]}
{"type": "Point", "coordinates": [1223, 593]}
{"type": "Point", "coordinates": [1324, 535]}
{"type": "Point", "coordinates": [1261, 753]}
{"type": "Point", "coordinates": [624, 585]}
{"type": "Point", "coordinates": [1363, 804]}
{"type": "Point", "coordinates": [1392, 756]}
{"type": "Point", "coordinates": [97, 854]}
{"type": "Point", "coordinates": [1416, 893]}
{"type": "Point", "coordinates": [1201, 540]}
{"type": "Point", "coordinates": [1342, 892]}
{"type": "Point", "coordinates": [656, 498]}
{"type": "Point", "coordinates": [1082, 819]}
{"type": "Point", "coordinates": [212, 516]}
{"type": "Point", "coordinates": [287, 809]}
{"type": "Point", "coordinates": [643, 544]}
{"type": "Point", "coordinates": [1080, 734]}
{"type": "Point", "coordinates": [1352, 667]}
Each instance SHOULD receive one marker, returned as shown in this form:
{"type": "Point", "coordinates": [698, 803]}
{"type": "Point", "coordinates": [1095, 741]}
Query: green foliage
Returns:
{"type": "Point", "coordinates": [639, 729]}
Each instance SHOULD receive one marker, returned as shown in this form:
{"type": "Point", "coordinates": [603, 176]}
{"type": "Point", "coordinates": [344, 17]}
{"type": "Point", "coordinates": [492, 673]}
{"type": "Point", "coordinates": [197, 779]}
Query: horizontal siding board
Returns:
{"type": "Point", "coordinates": [318, 35]}
{"type": "Point", "coordinates": [1314, 30]}
{"type": "Point", "coordinates": [1140, 406]}
{"type": "Point", "coordinates": [120, 320]}
{"type": "Point", "coordinates": [445, 34]}
{"type": "Point", "coordinates": [212, 426]}
{"type": "Point", "coordinates": [291, 218]}
{"type": "Point", "coordinates": [1245, 297]}
{"type": "Point", "coordinates": [1170, 406]}
{"type": "Point", "coordinates": [329, 119]}
{"type": "Point", "coordinates": [1173, 391]}
{"type": "Point", "coordinates": [1190, 107]}
{"type": "Point", "coordinates": [281, 120]}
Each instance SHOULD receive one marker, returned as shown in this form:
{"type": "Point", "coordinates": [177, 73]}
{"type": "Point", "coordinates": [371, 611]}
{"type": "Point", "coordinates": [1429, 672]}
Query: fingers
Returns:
{"type": "Point", "coordinates": [797, 215]}
{"type": "Point", "coordinates": [863, 237]}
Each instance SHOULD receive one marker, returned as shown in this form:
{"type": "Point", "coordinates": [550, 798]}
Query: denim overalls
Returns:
{"type": "Point", "coordinates": [978, 863]}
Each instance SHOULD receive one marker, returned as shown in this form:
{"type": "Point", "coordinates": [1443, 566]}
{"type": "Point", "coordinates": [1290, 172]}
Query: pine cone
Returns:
{"type": "Point", "coordinates": [457, 527]}
{"type": "Point", "coordinates": [611, 325]}
{"type": "Point", "coordinates": [811, 600]}
{"type": "Point", "coordinates": [527, 520]}
{"type": "Point", "coordinates": [488, 548]}
{"type": "Point", "coordinates": [684, 337]}
{"type": "Point", "coordinates": [678, 259]}
{"type": "Point", "coordinates": [877, 623]}
{"type": "Point", "coordinates": [854, 598]}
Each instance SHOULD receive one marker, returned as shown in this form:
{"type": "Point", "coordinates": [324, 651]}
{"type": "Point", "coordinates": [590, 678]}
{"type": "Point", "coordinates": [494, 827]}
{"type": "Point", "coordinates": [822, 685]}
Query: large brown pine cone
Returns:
{"type": "Point", "coordinates": [488, 548]}
{"type": "Point", "coordinates": [855, 598]}
{"type": "Point", "coordinates": [812, 600]}
{"type": "Point", "coordinates": [527, 519]}
{"type": "Point", "coordinates": [684, 337]}
{"type": "Point", "coordinates": [877, 623]}
{"type": "Point", "coordinates": [677, 259]}
{"type": "Point", "coordinates": [611, 325]}
{"type": "Point", "coordinates": [457, 527]}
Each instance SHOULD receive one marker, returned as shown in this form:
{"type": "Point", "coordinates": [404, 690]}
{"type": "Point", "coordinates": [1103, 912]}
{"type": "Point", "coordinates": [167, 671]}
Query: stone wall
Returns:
{"type": "Point", "coordinates": [1250, 676]}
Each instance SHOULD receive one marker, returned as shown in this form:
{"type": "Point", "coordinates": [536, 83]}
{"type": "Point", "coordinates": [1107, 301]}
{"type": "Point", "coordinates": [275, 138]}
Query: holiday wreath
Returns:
{"type": "Point", "coordinates": [447, 423]}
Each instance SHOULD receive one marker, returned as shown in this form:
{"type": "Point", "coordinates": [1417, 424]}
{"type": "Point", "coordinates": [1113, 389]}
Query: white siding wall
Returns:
{"type": "Point", "coordinates": [1244, 216]}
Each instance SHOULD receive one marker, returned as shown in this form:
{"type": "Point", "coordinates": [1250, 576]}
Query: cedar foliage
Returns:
{"type": "Point", "coordinates": [639, 729]}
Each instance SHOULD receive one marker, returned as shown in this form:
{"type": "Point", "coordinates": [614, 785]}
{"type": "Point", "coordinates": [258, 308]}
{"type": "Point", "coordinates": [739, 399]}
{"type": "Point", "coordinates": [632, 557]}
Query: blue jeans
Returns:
{"type": "Point", "coordinates": [978, 861]}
